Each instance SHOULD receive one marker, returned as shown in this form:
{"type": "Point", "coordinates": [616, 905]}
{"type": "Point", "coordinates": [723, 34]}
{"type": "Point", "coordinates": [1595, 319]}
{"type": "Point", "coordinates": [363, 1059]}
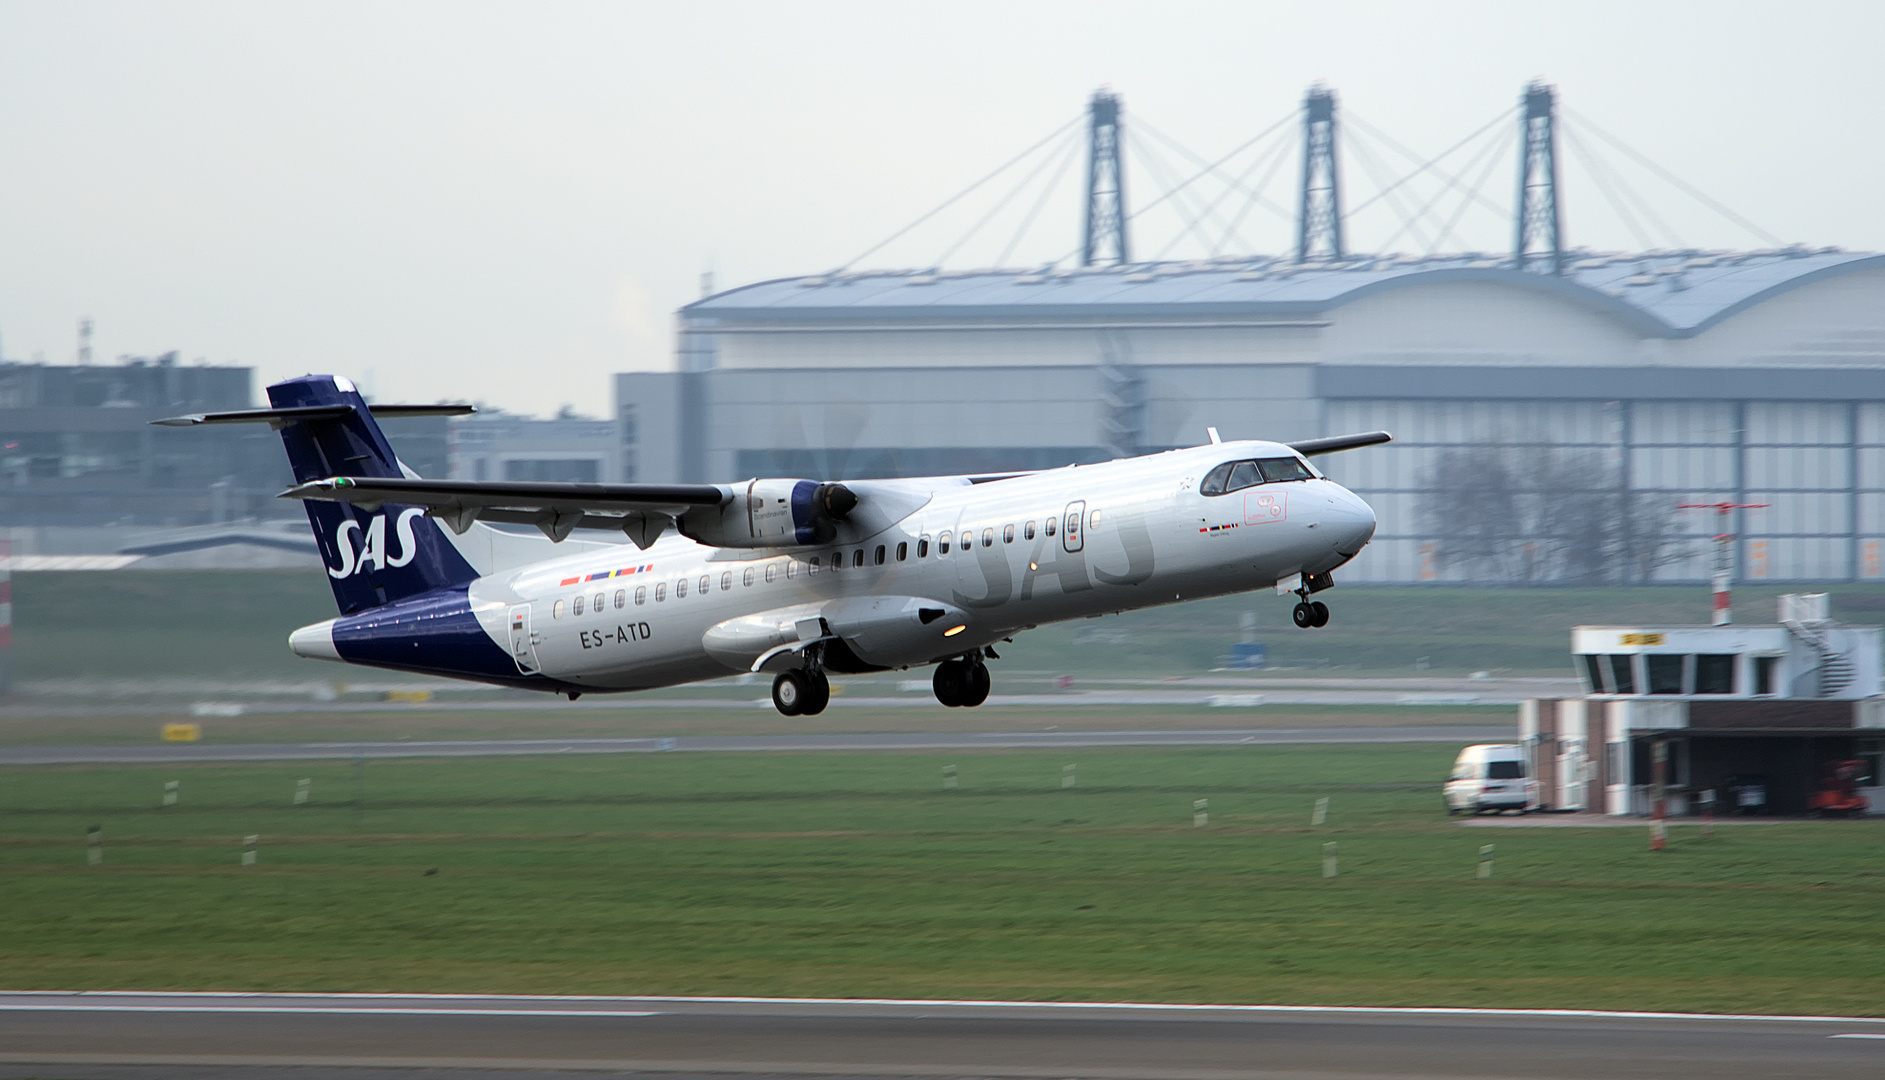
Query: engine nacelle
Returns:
{"type": "Point", "coordinates": [771, 513]}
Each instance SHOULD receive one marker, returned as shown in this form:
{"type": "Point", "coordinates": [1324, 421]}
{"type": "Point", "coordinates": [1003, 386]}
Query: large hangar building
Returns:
{"type": "Point", "coordinates": [1746, 377]}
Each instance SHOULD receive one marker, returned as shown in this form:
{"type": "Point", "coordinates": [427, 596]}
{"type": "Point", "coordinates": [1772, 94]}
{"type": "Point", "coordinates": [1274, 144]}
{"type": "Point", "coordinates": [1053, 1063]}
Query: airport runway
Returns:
{"type": "Point", "coordinates": [345, 1037]}
{"type": "Point", "coordinates": [968, 740]}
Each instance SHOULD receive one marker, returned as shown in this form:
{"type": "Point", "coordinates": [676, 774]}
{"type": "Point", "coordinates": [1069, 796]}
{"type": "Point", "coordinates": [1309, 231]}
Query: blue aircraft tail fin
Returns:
{"type": "Point", "coordinates": [374, 556]}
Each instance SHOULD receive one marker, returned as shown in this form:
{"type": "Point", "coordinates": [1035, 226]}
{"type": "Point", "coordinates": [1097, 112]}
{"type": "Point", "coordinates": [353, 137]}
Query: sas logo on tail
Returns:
{"type": "Point", "coordinates": [357, 549]}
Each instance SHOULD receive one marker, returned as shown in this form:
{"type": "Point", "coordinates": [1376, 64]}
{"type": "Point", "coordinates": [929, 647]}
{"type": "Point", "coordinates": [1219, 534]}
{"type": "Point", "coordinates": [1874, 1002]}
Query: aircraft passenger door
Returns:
{"type": "Point", "coordinates": [523, 644]}
{"type": "Point", "coordinates": [1073, 526]}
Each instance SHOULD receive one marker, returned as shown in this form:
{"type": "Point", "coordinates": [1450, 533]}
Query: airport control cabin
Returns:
{"type": "Point", "coordinates": [1763, 718]}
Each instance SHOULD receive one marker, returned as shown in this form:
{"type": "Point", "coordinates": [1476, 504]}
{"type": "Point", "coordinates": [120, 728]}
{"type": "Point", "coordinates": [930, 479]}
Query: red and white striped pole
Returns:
{"type": "Point", "coordinates": [1723, 612]}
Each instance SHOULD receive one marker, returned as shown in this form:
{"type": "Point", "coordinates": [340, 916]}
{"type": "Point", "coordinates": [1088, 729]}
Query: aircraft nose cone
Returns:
{"type": "Point", "coordinates": [1351, 522]}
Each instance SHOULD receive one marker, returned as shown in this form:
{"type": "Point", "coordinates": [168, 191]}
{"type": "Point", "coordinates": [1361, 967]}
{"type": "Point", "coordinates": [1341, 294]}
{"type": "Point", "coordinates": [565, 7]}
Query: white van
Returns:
{"type": "Point", "coordinates": [1491, 776]}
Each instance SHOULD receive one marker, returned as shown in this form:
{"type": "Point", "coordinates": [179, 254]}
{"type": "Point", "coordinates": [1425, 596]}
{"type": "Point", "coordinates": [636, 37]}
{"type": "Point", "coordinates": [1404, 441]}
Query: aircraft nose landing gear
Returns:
{"type": "Point", "coordinates": [963, 682]}
{"type": "Point", "coordinates": [1311, 613]}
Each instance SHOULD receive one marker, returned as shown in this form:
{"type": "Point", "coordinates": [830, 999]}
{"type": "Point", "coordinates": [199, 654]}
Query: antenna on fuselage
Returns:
{"type": "Point", "coordinates": [1215, 438]}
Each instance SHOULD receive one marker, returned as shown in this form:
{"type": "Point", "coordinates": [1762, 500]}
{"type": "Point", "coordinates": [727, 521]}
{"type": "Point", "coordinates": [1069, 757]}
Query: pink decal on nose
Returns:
{"type": "Point", "coordinates": [1261, 508]}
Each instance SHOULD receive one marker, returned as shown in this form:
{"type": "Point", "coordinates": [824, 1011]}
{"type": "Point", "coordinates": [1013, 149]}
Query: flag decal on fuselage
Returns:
{"type": "Point", "coordinates": [606, 574]}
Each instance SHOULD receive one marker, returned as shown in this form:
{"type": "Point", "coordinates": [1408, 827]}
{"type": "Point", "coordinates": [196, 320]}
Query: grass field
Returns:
{"type": "Point", "coordinates": [857, 874]}
{"type": "Point", "coordinates": [235, 624]}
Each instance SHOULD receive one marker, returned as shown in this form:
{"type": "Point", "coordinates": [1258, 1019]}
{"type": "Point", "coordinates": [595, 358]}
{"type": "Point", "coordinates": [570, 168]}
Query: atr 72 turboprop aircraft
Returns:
{"type": "Point", "coordinates": [798, 577]}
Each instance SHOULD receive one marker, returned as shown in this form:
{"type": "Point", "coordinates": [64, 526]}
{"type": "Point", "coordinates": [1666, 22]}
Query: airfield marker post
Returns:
{"type": "Point", "coordinates": [95, 846]}
{"type": "Point", "coordinates": [1067, 777]}
{"type": "Point", "coordinates": [359, 785]}
{"type": "Point", "coordinates": [1200, 813]}
{"type": "Point", "coordinates": [1330, 865]}
{"type": "Point", "coordinates": [1485, 861]}
{"type": "Point", "coordinates": [1708, 812]}
{"type": "Point", "coordinates": [1321, 814]}
{"type": "Point", "coordinates": [302, 788]}
{"type": "Point", "coordinates": [172, 791]}
{"type": "Point", "coordinates": [1659, 801]}
{"type": "Point", "coordinates": [248, 849]}
{"type": "Point", "coordinates": [949, 777]}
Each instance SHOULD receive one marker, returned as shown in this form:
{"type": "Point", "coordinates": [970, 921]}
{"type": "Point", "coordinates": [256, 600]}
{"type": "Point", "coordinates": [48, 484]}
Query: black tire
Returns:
{"type": "Point", "coordinates": [789, 692]}
{"type": "Point", "coordinates": [1321, 612]}
{"type": "Point", "coordinates": [817, 694]}
{"type": "Point", "coordinates": [976, 686]}
{"type": "Point", "coordinates": [1303, 616]}
{"type": "Point", "coordinates": [950, 683]}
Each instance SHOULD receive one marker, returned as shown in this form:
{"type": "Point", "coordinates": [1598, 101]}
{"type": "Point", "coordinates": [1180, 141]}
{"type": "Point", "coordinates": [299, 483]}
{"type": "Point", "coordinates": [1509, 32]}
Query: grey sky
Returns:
{"type": "Point", "coordinates": [506, 202]}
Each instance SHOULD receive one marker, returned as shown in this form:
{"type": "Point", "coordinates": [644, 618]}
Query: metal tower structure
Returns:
{"type": "Point", "coordinates": [1319, 222]}
{"type": "Point", "coordinates": [1105, 186]}
{"type": "Point", "coordinates": [1538, 225]}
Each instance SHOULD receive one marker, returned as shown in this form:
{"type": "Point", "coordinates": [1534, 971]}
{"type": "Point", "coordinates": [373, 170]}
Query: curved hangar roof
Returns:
{"type": "Point", "coordinates": [1658, 293]}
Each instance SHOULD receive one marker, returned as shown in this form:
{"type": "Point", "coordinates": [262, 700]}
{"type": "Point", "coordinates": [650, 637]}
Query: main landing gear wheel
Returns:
{"type": "Point", "coordinates": [961, 684]}
{"type": "Point", "coordinates": [799, 692]}
{"type": "Point", "coordinates": [1310, 613]}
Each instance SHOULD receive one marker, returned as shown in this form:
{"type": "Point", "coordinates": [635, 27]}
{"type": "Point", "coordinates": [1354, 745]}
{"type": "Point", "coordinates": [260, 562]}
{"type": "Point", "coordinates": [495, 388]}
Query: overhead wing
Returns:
{"type": "Point", "coordinates": [1312, 447]}
{"type": "Point", "coordinates": [642, 511]}
{"type": "Point", "coordinates": [278, 418]}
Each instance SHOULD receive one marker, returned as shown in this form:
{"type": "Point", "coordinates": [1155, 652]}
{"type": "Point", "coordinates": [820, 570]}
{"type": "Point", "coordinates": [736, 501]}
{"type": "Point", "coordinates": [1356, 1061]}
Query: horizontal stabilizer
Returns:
{"type": "Point", "coordinates": [282, 417]}
{"type": "Point", "coordinates": [1312, 447]}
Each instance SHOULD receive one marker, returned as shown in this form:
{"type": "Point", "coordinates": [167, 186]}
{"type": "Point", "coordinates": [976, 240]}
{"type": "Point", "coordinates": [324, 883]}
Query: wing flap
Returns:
{"type": "Point", "coordinates": [294, 414]}
{"type": "Point", "coordinates": [640, 511]}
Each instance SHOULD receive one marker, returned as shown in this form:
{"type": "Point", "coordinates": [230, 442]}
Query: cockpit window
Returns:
{"type": "Point", "coordinates": [1215, 480]}
{"type": "Point", "coordinates": [1279, 469]}
{"type": "Point", "coordinates": [1244, 475]}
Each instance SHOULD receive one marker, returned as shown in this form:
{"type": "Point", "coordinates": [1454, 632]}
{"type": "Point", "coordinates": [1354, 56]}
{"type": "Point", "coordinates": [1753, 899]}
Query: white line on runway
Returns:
{"type": "Point", "coordinates": [1855, 1035]}
{"type": "Point", "coordinates": [190, 1001]}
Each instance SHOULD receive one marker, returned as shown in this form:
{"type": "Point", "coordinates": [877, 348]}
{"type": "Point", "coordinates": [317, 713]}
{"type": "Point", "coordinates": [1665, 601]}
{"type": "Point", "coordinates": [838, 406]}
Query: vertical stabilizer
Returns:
{"type": "Point", "coordinates": [373, 556]}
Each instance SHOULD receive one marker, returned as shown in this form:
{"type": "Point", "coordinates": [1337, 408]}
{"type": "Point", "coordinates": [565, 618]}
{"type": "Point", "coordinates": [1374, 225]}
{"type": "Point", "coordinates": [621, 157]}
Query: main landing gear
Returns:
{"type": "Point", "coordinates": [962, 683]}
{"type": "Point", "coordinates": [802, 691]}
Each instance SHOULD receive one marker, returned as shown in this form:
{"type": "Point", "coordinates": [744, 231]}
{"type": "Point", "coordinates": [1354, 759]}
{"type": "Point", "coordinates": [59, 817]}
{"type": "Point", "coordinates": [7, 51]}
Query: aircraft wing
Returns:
{"type": "Point", "coordinates": [1312, 447]}
{"type": "Point", "coordinates": [642, 511]}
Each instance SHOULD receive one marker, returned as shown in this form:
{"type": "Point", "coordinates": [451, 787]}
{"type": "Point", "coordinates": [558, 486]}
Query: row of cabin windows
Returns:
{"type": "Point", "coordinates": [877, 557]}
{"type": "Point", "coordinates": [1237, 475]}
{"type": "Point", "coordinates": [1672, 673]}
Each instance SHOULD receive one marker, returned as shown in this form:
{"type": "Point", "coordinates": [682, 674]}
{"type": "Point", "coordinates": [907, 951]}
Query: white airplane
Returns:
{"type": "Point", "coordinates": [797, 577]}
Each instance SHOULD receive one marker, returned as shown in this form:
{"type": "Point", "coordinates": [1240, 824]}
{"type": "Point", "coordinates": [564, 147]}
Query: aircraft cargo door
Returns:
{"type": "Point", "coordinates": [523, 645]}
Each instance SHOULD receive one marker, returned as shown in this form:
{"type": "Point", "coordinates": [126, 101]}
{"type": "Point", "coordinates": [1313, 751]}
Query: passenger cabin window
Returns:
{"type": "Point", "coordinates": [601, 602]}
{"type": "Point", "coordinates": [621, 599]}
{"type": "Point", "coordinates": [942, 543]}
{"type": "Point", "coordinates": [556, 610]}
{"type": "Point", "coordinates": [903, 550]}
{"type": "Point", "coordinates": [1027, 531]}
{"type": "Point", "coordinates": [1049, 527]}
{"type": "Point", "coordinates": [857, 557]}
{"type": "Point", "coordinates": [791, 569]}
{"type": "Point", "coordinates": [837, 560]}
{"type": "Point", "coordinates": [812, 567]}
{"type": "Point", "coordinates": [746, 578]}
{"type": "Point", "coordinates": [1714, 673]}
{"type": "Point", "coordinates": [988, 538]}
{"type": "Point", "coordinates": [680, 589]}
{"type": "Point", "coordinates": [576, 605]}
{"type": "Point", "coordinates": [922, 547]}
{"type": "Point", "coordinates": [772, 572]}
{"type": "Point", "coordinates": [661, 592]}
{"type": "Point", "coordinates": [726, 581]}
{"type": "Point", "coordinates": [1007, 534]}
{"type": "Point", "coordinates": [641, 595]}
{"type": "Point", "coordinates": [880, 554]}
{"type": "Point", "coordinates": [706, 584]}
